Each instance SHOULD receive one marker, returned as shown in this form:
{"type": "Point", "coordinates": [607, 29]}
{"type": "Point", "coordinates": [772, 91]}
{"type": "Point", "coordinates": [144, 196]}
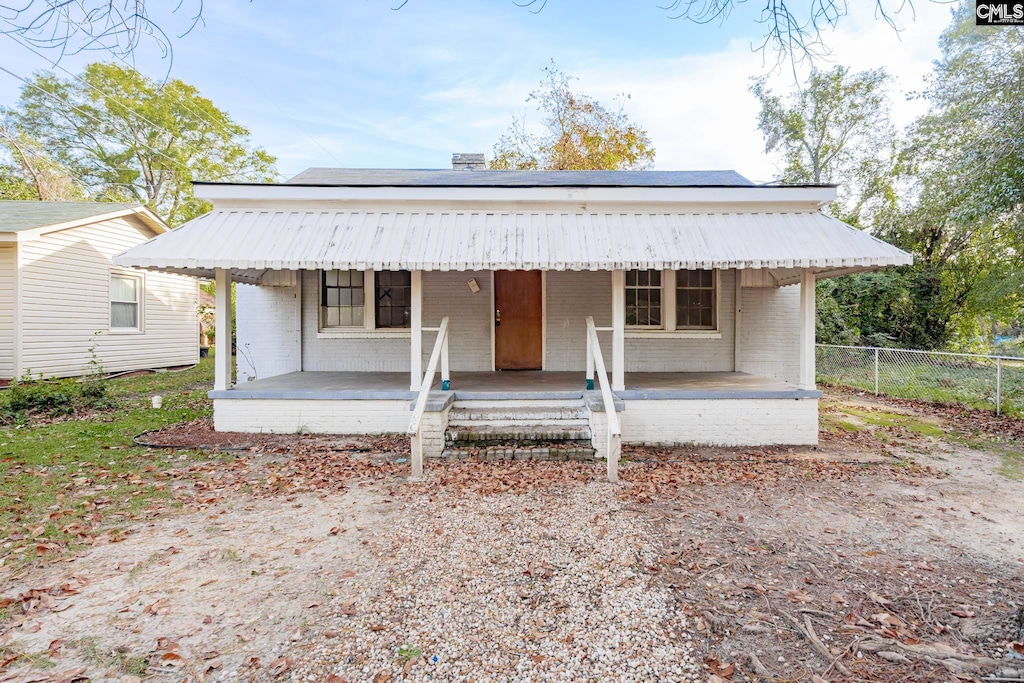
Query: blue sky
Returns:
{"type": "Point", "coordinates": [357, 83]}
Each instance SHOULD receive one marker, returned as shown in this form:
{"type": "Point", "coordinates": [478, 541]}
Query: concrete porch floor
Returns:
{"type": "Point", "coordinates": [522, 384]}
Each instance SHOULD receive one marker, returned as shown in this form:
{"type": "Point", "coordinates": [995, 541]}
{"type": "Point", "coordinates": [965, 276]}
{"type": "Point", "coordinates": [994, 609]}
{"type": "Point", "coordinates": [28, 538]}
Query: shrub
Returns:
{"type": "Point", "coordinates": [53, 398]}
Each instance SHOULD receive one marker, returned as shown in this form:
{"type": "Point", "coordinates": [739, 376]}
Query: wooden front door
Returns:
{"type": "Point", "coordinates": [518, 322]}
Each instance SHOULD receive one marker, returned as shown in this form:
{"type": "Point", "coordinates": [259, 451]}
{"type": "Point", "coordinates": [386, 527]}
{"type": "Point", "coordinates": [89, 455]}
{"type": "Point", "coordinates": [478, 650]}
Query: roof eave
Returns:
{"type": "Point", "coordinates": [227, 194]}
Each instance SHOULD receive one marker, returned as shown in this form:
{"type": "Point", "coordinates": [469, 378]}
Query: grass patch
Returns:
{"type": "Point", "coordinates": [836, 424]}
{"type": "Point", "coordinates": [63, 481]}
{"type": "Point", "coordinates": [1011, 465]}
{"type": "Point", "coordinates": [884, 419]}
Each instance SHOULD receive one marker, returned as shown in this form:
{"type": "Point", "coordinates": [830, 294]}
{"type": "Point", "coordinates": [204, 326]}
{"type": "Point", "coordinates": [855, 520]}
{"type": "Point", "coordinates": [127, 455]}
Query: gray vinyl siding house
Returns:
{"type": "Point", "coordinates": [64, 302]}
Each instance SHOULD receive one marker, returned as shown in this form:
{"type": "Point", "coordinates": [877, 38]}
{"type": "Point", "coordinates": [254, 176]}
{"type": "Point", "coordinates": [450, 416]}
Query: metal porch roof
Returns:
{"type": "Point", "coordinates": [252, 240]}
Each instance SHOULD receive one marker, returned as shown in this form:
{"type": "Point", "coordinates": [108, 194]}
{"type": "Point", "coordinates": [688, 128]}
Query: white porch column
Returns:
{"type": "Point", "coordinates": [416, 339]}
{"type": "Point", "coordinates": [737, 326]}
{"type": "Point", "coordinates": [222, 353]}
{"type": "Point", "coordinates": [807, 318]}
{"type": "Point", "coordinates": [618, 330]}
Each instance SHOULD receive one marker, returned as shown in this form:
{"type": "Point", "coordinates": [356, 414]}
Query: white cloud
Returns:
{"type": "Point", "coordinates": [700, 114]}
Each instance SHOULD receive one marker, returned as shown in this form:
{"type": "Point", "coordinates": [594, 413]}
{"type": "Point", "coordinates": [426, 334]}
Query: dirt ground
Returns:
{"type": "Point", "coordinates": [894, 551]}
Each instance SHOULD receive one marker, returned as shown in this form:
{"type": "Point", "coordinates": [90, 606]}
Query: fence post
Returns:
{"type": "Point", "coordinates": [999, 386]}
{"type": "Point", "coordinates": [876, 371]}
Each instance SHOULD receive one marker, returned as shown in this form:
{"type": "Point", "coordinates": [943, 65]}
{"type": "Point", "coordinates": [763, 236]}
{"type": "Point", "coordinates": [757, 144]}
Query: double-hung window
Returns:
{"type": "Point", "coordinates": [365, 299]}
{"type": "Point", "coordinates": [125, 299]}
{"type": "Point", "coordinates": [672, 300]}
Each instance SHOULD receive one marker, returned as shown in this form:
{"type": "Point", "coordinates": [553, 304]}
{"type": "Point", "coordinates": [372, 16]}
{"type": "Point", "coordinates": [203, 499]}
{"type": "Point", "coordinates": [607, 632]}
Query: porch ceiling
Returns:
{"type": "Point", "coordinates": [251, 241]}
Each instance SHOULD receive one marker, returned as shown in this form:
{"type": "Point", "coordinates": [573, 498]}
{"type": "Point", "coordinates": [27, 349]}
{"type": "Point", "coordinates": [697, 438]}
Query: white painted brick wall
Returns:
{"type": "Point", "coordinates": [572, 296]}
{"type": "Point", "coordinates": [769, 330]}
{"type": "Point", "coordinates": [267, 335]}
{"type": "Point", "coordinates": [344, 355]}
{"type": "Point", "coordinates": [432, 428]}
{"type": "Point", "coordinates": [770, 333]}
{"type": "Point", "coordinates": [723, 422]}
{"type": "Point", "coordinates": [469, 327]}
{"type": "Point", "coordinates": [323, 417]}
{"type": "Point", "coordinates": [469, 343]}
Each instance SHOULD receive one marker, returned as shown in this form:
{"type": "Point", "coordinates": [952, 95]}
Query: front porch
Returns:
{"type": "Point", "coordinates": [514, 385]}
{"type": "Point", "coordinates": [486, 409]}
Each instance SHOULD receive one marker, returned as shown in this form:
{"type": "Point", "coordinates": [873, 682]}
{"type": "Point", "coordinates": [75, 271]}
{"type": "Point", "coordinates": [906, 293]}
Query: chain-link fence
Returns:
{"type": "Point", "coordinates": [993, 382]}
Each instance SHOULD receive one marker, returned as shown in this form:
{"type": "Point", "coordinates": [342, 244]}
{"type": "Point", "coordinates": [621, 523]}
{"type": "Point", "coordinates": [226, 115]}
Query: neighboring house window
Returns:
{"type": "Point", "coordinates": [695, 299]}
{"type": "Point", "coordinates": [643, 298]}
{"type": "Point", "coordinates": [394, 298]}
{"type": "Point", "coordinates": [125, 294]}
{"type": "Point", "coordinates": [343, 301]}
{"type": "Point", "coordinates": [341, 298]}
{"type": "Point", "coordinates": [672, 299]}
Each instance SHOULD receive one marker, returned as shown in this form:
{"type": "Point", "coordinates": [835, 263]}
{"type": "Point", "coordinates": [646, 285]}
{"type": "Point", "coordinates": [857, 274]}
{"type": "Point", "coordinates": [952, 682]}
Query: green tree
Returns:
{"type": "Point", "coordinates": [966, 227]}
{"type": "Point", "coordinates": [579, 133]}
{"type": "Point", "coordinates": [128, 138]}
{"type": "Point", "coordinates": [834, 129]}
{"type": "Point", "coordinates": [31, 174]}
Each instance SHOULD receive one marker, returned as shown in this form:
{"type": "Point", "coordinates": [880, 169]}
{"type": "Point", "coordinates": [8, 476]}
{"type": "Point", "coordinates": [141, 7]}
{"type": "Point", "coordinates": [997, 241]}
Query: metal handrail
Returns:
{"type": "Point", "coordinates": [439, 354]}
{"type": "Point", "coordinates": [595, 364]}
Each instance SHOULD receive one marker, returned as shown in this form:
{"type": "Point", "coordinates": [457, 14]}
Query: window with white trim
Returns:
{"type": "Point", "coordinates": [342, 300]}
{"type": "Point", "coordinates": [672, 300]}
{"type": "Point", "coordinates": [696, 300]}
{"type": "Point", "coordinates": [643, 299]}
{"type": "Point", "coordinates": [345, 305]}
{"type": "Point", "coordinates": [125, 295]}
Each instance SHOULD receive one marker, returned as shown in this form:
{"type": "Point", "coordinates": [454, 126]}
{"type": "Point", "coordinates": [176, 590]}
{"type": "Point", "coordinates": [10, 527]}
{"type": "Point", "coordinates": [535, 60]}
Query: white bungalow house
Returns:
{"type": "Point", "coordinates": [505, 310]}
{"type": "Point", "coordinates": [64, 304]}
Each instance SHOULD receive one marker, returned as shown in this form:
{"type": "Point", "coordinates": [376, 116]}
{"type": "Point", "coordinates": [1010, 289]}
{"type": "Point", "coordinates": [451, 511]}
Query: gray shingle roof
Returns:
{"type": "Point", "coordinates": [26, 215]}
{"type": "Point", "coordinates": [386, 177]}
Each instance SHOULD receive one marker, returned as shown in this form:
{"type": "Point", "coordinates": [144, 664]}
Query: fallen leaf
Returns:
{"type": "Point", "coordinates": [159, 607]}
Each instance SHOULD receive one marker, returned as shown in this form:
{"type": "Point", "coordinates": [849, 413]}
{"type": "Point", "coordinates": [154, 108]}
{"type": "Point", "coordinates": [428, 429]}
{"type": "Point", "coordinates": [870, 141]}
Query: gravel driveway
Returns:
{"type": "Point", "coordinates": [550, 585]}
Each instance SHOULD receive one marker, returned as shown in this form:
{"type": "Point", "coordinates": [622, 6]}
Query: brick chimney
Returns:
{"type": "Point", "coordinates": [471, 161]}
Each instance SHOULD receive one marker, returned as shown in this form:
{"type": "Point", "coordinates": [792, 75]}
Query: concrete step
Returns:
{"type": "Point", "coordinates": [508, 404]}
{"type": "Point", "coordinates": [561, 452]}
{"type": "Point", "coordinates": [514, 421]}
{"type": "Point", "coordinates": [522, 413]}
{"type": "Point", "coordinates": [516, 434]}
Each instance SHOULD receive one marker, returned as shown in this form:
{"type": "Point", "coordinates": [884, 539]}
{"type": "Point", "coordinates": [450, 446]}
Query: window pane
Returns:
{"type": "Point", "coordinates": [333, 296]}
{"type": "Point", "coordinates": [630, 278]}
{"type": "Point", "coordinates": [124, 288]}
{"type": "Point", "coordinates": [357, 297]}
{"type": "Point", "coordinates": [344, 297]}
{"type": "Point", "coordinates": [705, 317]}
{"type": "Point", "coordinates": [333, 317]}
{"type": "Point", "coordinates": [124, 315]}
{"type": "Point", "coordinates": [344, 315]}
{"type": "Point", "coordinates": [342, 278]}
{"type": "Point", "coordinates": [357, 316]}
{"type": "Point", "coordinates": [655, 277]}
{"type": "Point", "coordinates": [393, 298]}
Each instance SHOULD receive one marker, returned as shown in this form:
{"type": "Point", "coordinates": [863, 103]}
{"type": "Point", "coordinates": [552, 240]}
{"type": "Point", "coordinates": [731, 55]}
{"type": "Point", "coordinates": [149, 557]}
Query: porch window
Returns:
{"type": "Point", "coordinates": [643, 298]}
{"type": "Point", "coordinates": [125, 293]}
{"type": "Point", "coordinates": [344, 301]}
{"type": "Point", "coordinates": [672, 300]}
{"type": "Point", "coordinates": [696, 299]}
{"type": "Point", "coordinates": [394, 298]}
